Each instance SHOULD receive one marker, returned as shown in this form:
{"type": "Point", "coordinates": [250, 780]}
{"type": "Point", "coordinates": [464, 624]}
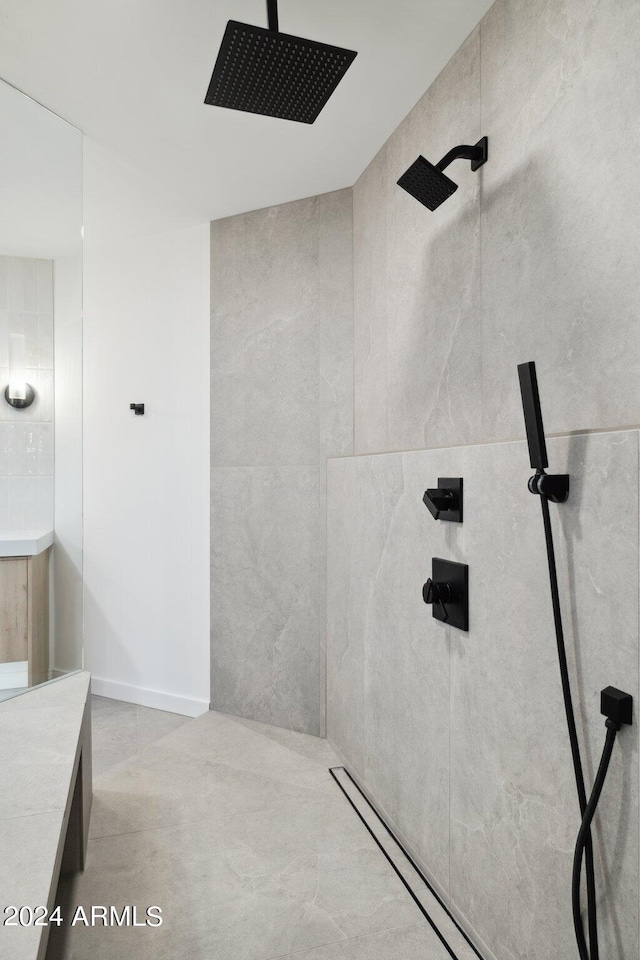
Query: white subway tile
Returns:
{"type": "Point", "coordinates": [3, 503]}
{"type": "Point", "coordinates": [17, 446]}
{"type": "Point", "coordinates": [3, 282]}
{"type": "Point", "coordinates": [45, 449]}
{"type": "Point", "coordinates": [4, 449]}
{"type": "Point", "coordinates": [45, 503]}
{"type": "Point", "coordinates": [44, 270]}
{"type": "Point", "coordinates": [31, 442]}
{"type": "Point", "coordinates": [31, 503]}
{"type": "Point", "coordinates": [45, 341]}
{"type": "Point", "coordinates": [15, 503]}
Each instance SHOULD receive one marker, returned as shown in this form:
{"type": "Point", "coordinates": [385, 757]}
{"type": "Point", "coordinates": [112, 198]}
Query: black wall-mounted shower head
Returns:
{"type": "Point", "coordinates": [275, 74]}
{"type": "Point", "coordinates": [533, 415]}
{"type": "Point", "coordinates": [427, 183]}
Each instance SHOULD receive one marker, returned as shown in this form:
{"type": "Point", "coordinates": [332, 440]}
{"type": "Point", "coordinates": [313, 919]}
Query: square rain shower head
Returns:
{"type": "Point", "coordinates": [275, 74]}
{"type": "Point", "coordinates": [427, 184]}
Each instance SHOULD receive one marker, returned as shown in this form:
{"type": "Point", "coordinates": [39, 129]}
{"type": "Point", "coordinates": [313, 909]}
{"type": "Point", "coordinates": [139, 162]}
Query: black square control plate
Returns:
{"type": "Point", "coordinates": [457, 575]}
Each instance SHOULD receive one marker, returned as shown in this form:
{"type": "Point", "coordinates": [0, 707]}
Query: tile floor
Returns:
{"type": "Point", "coordinates": [237, 831]}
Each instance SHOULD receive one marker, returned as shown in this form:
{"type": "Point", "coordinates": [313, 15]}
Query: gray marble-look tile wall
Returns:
{"type": "Point", "coordinates": [461, 737]}
{"type": "Point", "coordinates": [281, 403]}
{"type": "Point", "coordinates": [26, 436]}
{"type": "Point", "coordinates": [533, 258]}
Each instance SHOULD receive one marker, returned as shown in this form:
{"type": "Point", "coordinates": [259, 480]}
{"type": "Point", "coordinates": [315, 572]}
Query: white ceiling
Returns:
{"type": "Point", "coordinates": [132, 74]}
{"type": "Point", "coordinates": [40, 180]}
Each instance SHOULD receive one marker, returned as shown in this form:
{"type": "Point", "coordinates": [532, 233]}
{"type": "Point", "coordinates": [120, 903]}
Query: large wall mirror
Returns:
{"type": "Point", "coordinates": [40, 395]}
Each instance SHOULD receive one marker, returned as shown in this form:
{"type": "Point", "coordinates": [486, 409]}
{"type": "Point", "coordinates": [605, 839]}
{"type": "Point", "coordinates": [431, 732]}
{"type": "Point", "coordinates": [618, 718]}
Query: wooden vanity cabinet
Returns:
{"type": "Point", "coordinates": [24, 613]}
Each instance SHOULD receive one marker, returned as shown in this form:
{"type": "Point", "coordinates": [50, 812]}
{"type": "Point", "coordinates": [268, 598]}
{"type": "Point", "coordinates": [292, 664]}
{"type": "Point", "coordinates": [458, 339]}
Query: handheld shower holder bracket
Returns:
{"type": "Point", "coordinates": [555, 487]}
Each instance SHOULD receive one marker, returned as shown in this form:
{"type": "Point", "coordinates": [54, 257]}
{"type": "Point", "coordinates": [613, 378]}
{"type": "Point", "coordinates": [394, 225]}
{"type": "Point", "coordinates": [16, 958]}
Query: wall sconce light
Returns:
{"type": "Point", "coordinates": [19, 393]}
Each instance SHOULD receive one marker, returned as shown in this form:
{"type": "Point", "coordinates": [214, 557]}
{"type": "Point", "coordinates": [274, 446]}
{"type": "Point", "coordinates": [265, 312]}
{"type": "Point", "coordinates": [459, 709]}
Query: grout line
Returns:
{"type": "Point", "coordinates": [353, 325]}
{"type": "Point", "coordinates": [318, 788]}
{"type": "Point", "coordinates": [387, 209]}
{"type": "Point", "coordinates": [212, 817]}
{"type": "Point", "coordinates": [59, 811]}
{"type": "Point", "coordinates": [330, 943]}
{"type": "Point", "coordinates": [450, 648]}
{"type": "Point", "coordinates": [587, 432]}
{"type": "Point", "coordinates": [481, 263]}
{"type": "Point", "coordinates": [241, 722]}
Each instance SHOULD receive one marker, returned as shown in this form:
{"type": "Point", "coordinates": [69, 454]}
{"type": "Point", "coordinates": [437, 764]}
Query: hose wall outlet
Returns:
{"type": "Point", "coordinates": [616, 705]}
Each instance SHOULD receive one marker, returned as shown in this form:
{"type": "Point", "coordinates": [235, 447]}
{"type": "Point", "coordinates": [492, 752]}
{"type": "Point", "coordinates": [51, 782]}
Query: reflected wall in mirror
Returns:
{"type": "Point", "coordinates": [40, 395]}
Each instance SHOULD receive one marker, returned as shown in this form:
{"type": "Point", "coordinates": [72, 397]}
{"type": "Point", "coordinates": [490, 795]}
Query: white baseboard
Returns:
{"type": "Point", "coordinates": [148, 698]}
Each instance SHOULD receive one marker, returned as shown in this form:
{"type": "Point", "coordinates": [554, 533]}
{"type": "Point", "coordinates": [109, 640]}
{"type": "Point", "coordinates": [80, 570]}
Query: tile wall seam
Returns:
{"type": "Point", "coordinates": [324, 729]}
{"type": "Point", "coordinates": [449, 646]}
{"type": "Point", "coordinates": [386, 297]}
{"type": "Point", "coordinates": [302, 954]}
{"type": "Point", "coordinates": [321, 714]}
{"type": "Point", "coordinates": [353, 326]}
{"type": "Point", "coordinates": [270, 466]}
{"type": "Point", "coordinates": [596, 431]}
{"type": "Point", "coordinates": [480, 271]}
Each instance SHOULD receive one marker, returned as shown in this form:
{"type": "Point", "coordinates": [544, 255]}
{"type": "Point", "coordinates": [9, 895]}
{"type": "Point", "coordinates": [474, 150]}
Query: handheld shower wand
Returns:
{"type": "Point", "coordinates": [555, 489]}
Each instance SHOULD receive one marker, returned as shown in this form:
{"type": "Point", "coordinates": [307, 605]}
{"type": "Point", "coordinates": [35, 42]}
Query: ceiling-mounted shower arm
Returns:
{"type": "Point", "coordinates": [478, 154]}
{"type": "Point", "coordinates": [272, 15]}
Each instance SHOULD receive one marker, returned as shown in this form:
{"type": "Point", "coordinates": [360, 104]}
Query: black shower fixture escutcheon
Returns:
{"type": "Point", "coordinates": [447, 591]}
{"type": "Point", "coordinates": [445, 501]}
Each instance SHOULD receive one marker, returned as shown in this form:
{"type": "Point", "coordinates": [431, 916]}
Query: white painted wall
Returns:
{"type": "Point", "coordinates": [146, 479]}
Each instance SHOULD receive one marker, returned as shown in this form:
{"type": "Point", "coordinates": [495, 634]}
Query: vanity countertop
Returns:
{"type": "Point", "coordinates": [24, 543]}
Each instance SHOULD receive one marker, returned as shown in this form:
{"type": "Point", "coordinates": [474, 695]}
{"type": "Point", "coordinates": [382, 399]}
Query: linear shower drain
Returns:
{"type": "Point", "coordinates": [445, 926]}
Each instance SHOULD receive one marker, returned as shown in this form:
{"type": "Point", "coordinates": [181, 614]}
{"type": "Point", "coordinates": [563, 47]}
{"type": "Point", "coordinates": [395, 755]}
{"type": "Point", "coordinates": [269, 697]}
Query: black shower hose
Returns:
{"type": "Point", "coordinates": [587, 843]}
{"type": "Point", "coordinates": [612, 729]}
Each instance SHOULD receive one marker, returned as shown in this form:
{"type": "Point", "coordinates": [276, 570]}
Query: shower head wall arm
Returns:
{"type": "Point", "coordinates": [463, 152]}
{"type": "Point", "coordinates": [478, 155]}
{"type": "Point", "coordinates": [272, 15]}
